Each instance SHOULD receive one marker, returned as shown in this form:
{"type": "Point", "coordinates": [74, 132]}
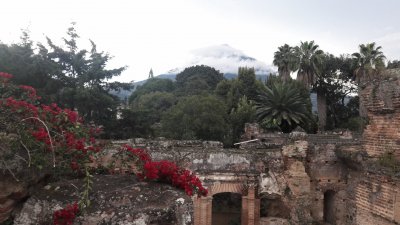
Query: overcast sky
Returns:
{"type": "Point", "coordinates": [164, 34]}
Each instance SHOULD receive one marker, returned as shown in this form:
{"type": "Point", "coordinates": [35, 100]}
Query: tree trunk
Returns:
{"type": "Point", "coordinates": [321, 105]}
{"type": "Point", "coordinates": [362, 82]}
{"type": "Point", "coordinates": [285, 75]}
{"type": "Point", "coordinates": [362, 109]}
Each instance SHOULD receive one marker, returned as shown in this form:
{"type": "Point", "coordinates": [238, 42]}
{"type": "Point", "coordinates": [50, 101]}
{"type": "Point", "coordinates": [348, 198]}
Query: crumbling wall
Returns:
{"type": "Point", "coordinates": [382, 100]}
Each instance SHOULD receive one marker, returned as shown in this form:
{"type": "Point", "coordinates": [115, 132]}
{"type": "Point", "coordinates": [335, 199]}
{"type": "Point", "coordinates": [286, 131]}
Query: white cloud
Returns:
{"type": "Point", "coordinates": [226, 59]}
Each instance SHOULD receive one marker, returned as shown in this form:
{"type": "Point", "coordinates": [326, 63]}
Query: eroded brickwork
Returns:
{"type": "Point", "coordinates": [382, 100]}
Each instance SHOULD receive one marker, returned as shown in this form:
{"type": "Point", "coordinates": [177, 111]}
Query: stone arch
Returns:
{"type": "Point", "coordinates": [227, 187]}
{"type": "Point", "coordinates": [329, 207]}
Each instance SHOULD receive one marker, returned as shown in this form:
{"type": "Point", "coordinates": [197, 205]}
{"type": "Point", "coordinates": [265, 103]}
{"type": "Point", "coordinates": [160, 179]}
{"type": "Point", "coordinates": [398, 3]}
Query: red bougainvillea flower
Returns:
{"type": "Point", "coordinates": [66, 216]}
{"type": "Point", "coordinates": [167, 172]}
{"type": "Point", "coordinates": [5, 75]}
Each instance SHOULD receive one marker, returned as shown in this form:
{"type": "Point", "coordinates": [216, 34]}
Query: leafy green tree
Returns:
{"type": "Point", "coordinates": [249, 85]}
{"type": "Point", "coordinates": [29, 68]}
{"type": "Point", "coordinates": [84, 78]}
{"type": "Point", "coordinates": [198, 116]}
{"type": "Point", "coordinates": [134, 123]}
{"type": "Point", "coordinates": [154, 103]}
{"type": "Point", "coordinates": [285, 60]}
{"type": "Point", "coordinates": [245, 112]}
{"type": "Point", "coordinates": [335, 84]}
{"type": "Point", "coordinates": [153, 85]}
{"type": "Point", "coordinates": [368, 62]}
{"type": "Point", "coordinates": [309, 64]}
{"type": "Point", "coordinates": [197, 79]}
{"type": "Point", "coordinates": [284, 104]}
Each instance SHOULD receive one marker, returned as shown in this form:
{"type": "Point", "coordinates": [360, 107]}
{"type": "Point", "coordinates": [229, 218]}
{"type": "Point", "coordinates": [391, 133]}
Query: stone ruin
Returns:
{"type": "Point", "coordinates": [279, 179]}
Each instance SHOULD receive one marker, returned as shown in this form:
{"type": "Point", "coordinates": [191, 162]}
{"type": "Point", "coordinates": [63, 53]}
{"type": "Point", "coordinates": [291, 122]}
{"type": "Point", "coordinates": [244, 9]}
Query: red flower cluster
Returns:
{"type": "Point", "coordinates": [168, 172]}
{"type": "Point", "coordinates": [60, 130]}
{"type": "Point", "coordinates": [30, 90]}
{"type": "Point", "coordinates": [5, 76]}
{"type": "Point", "coordinates": [22, 107]}
{"type": "Point", "coordinates": [66, 216]}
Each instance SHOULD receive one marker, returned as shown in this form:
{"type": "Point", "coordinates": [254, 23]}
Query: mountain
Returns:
{"type": "Point", "coordinates": [224, 58]}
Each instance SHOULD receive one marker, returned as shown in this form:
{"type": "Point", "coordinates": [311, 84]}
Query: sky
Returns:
{"type": "Point", "coordinates": [165, 35]}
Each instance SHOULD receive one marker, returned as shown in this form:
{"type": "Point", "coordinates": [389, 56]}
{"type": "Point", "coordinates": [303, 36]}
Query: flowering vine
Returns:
{"type": "Point", "coordinates": [45, 130]}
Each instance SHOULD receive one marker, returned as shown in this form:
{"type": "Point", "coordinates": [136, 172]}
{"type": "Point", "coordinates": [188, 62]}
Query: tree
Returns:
{"type": "Point", "coordinates": [196, 79]}
{"type": "Point", "coordinates": [368, 62]}
{"type": "Point", "coordinates": [249, 85]}
{"type": "Point", "coordinates": [243, 113]}
{"type": "Point", "coordinates": [153, 85]}
{"type": "Point", "coordinates": [84, 78]}
{"type": "Point", "coordinates": [395, 64]}
{"type": "Point", "coordinates": [335, 84]}
{"type": "Point", "coordinates": [196, 117]}
{"type": "Point", "coordinates": [154, 103]}
{"type": "Point", "coordinates": [283, 104]}
{"type": "Point", "coordinates": [285, 60]}
{"type": "Point", "coordinates": [29, 68]}
{"type": "Point", "coordinates": [309, 63]}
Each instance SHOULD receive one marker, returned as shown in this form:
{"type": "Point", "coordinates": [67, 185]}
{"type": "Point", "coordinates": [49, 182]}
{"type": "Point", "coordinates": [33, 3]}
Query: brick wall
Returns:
{"type": "Point", "coordinates": [377, 201]}
{"type": "Point", "coordinates": [382, 100]}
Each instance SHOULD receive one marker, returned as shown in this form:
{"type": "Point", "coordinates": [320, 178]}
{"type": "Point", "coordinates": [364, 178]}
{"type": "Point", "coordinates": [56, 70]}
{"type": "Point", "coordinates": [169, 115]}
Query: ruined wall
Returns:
{"type": "Point", "coordinates": [382, 100]}
{"type": "Point", "coordinates": [373, 188]}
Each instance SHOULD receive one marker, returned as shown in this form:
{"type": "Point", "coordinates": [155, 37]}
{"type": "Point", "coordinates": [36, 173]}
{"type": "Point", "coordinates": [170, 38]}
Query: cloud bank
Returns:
{"type": "Point", "coordinates": [224, 58]}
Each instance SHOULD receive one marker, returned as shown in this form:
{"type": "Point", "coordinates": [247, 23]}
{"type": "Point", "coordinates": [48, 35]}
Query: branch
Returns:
{"type": "Point", "coordinates": [9, 170]}
{"type": "Point", "coordinates": [48, 133]}
{"type": "Point", "coordinates": [27, 150]}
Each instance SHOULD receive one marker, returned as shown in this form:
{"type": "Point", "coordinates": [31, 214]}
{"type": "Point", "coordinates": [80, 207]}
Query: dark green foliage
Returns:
{"type": "Point", "coordinates": [84, 79]}
{"type": "Point", "coordinates": [153, 85]}
{"type": "Point", "coordinates": [248, 84]}
{"type": "Point", "coordinates": [368, 61]}
{"type": "Point", "coordinates": [199, 116]}
{"type": "Point", "coordinates": [197, 79]}
{"type": "Point", "coordinates": [309, 62]}
{"type": "Point", "coordinates": [282, 104]}
{"type": "Point", "coordinates": [395, 64]}
{"type": "Point", "coordinates": [71, 77]}
{"type": "Point", "coordinates": [29, 68]}
{"type": "Point", "coordinates": [285, 60]}
{"type": "Point", "coordinates": [244, 112]}
{"type": "Point", "coordinates": [132, 123]}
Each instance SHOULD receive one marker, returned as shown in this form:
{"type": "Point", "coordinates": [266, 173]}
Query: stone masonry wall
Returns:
{"type": "Point", "coordinates": [382, 100]}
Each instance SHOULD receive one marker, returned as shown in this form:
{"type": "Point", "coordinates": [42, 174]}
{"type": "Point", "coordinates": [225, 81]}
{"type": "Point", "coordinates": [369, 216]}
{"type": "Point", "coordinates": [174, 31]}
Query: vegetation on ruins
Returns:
{"type": "Point", "coordinates": [47, 139]}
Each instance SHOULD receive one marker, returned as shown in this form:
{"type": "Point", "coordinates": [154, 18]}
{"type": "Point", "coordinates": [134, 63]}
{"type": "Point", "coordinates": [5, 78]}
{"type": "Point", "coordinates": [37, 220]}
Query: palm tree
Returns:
{"type": "Point", "coordinates": [368, 61]}
{"type": "Point", "coordinates": [284, 105]}
{"type": "Point", "coordinates": [285, 59]}
{"type": "Point", "coordinates": [309, 63]}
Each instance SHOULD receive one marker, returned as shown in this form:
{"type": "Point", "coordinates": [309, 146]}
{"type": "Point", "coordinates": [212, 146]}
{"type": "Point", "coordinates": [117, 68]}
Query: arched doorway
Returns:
{"type": "Point", "coordinates": [329, 207]}
{"type": "Point", "coordinates": [226, 208]}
